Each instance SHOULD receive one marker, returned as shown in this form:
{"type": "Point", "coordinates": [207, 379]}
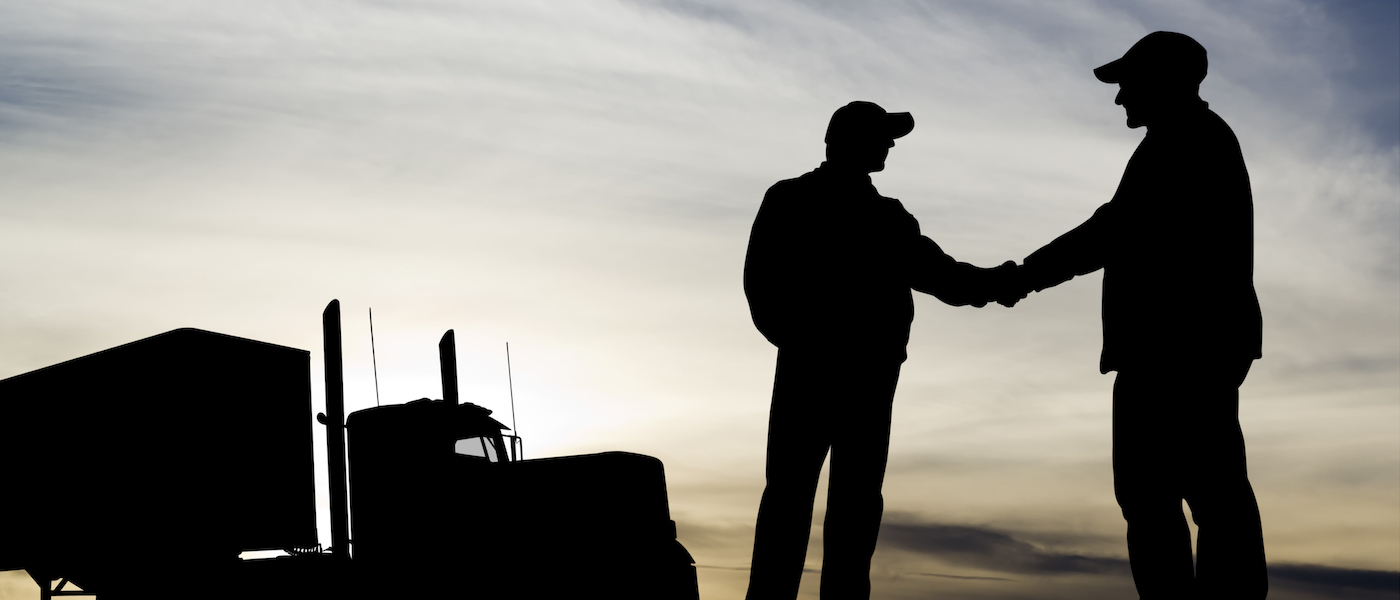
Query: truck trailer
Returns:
{"type": "Point", "coordinates": [145, 470]}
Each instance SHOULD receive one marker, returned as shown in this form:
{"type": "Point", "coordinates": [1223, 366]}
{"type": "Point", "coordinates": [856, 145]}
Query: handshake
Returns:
{"type": "Point", "coordinates": [1006, 285]}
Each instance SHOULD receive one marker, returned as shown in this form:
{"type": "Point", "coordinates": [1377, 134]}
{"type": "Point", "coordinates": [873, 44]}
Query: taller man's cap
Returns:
{"type": "Point", "coordinates": [866, 121]}
{"type": "Point", "coordinates": [1160, 57]}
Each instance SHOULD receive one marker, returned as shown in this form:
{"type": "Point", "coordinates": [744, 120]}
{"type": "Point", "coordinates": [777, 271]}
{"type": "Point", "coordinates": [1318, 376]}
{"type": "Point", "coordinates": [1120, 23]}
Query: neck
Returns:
{"type": "Point", "coordinates": [1176, 111]}
{"type": "Point", "coordinates": [845, 168]}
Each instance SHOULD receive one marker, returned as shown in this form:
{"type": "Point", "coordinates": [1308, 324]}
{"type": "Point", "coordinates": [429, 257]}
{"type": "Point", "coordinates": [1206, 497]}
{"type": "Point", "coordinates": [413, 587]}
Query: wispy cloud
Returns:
{"type": "Point", "coordinates": [1318, 576]}
{"type": "Point", "coordinates": [578, 178]}
{"type": "Point", "coordinates": [992, 550]}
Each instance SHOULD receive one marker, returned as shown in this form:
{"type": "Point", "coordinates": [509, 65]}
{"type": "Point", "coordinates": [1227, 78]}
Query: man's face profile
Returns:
{"type": "Point", "coordinates": [866, 156]}
{"type": "Point", "coordinates": [877, 152]}
{"type": "Point", "coordinates": [1147, 102]}
{"type": "Point", "coordinates": [1133, 100]}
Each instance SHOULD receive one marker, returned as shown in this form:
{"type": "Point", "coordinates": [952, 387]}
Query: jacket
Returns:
{"type": "Point", "coordinates": [1176, 243]}
{"type": "Point", "coordinates": [831, 263]}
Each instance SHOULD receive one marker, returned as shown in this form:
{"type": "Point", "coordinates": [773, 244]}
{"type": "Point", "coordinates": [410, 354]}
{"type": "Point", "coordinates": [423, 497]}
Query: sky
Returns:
{"type": "Point", "coordinates": [578, 179]}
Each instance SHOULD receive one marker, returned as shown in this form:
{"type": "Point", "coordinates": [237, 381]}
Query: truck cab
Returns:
{"type": "Point", "coordinates": [436, 490]}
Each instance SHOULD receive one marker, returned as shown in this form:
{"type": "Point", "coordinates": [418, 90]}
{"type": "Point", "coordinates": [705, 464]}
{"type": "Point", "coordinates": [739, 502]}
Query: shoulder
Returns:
{"type": "Point", "coordinates": [1207, 130]}
{"type": "Point", "coordinates": [1213, 122]}
{"type": "Point", "coordinates": [1201, 139]}
{"type": "Point", "coordinates": [784, 200]}
{"type": "Point", "coordinates": [893, 206]}
{"type": "Point", "coordinates": [787, 194]}
{"type": "Point", "coordinates": [796, 186]}
{"type": "Point", "coordinates": [895, 215]}
{"type": "Point", "coordinates": [785, 187]}
{"type": "Point", "coordinates": [1214, 127]}
{"type": "Point", "coordinates": [1214, 145]}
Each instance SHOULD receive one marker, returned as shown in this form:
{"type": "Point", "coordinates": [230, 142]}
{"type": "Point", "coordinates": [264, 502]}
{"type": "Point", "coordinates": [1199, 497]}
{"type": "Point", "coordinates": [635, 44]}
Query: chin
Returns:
{"type": "Point", "coordinates": [1135, 123]}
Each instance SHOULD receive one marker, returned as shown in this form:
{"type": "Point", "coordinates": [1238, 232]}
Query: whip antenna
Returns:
{"type": "Point", "coordinates": [374, 360]}
{"type": "Point", "coordinates": [511, 382]}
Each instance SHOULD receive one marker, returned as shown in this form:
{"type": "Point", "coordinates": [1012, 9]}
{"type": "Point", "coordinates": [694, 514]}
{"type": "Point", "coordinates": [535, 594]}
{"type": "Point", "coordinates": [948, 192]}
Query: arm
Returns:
{"type": "Point", "coordinates": [1078, 252]}
{"type": "Point", "coordinates": [957, 283]}
{"type": "Point", "coordinates": [768, 268]}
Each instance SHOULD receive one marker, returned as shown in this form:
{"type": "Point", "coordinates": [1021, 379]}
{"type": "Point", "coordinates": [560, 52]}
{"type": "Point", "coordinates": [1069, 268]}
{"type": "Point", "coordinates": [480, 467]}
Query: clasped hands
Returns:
{"type": "Point", "coordinates": [1005, 284]}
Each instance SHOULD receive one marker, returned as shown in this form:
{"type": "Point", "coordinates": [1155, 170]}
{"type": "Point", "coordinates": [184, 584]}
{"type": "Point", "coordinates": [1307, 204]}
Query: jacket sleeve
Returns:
{"type": "Point", "coordinates": [767, 267]}
{"type": "Point", "coordinates": [1080, 251]}
{"type": "Point", "coordinates": [952, 282]}
{"type": "Point", "coordinates": [932, 271]}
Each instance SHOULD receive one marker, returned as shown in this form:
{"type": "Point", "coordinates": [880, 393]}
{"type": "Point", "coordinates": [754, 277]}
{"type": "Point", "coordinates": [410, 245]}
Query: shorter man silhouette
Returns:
{"type": "Point", "coordinates": [828, 276]}
{"type": "Point", "coordinates": [1181, 326]}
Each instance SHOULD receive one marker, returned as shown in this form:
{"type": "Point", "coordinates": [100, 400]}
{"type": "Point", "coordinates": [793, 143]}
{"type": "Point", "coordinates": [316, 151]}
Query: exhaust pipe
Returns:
{"type": "Point", "coordinates": [447, 360]}
{"type": "Point", "coordinates": [335, 431]}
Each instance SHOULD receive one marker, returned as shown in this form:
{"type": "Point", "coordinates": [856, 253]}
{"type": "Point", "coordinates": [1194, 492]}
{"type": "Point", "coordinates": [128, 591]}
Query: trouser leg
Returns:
{"type": "Point", "coordinates": [1177, 436]}
{"type": "Point", "coordinates": [1230, 543]}
{"type": "Point", "coordinates": [854, 503]}
{"type": "Point", "coordinates": [1146, 480]}
{"type": "Point", "coordinates": [797, 446]}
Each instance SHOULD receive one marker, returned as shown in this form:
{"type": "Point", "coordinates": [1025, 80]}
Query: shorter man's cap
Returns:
{"type": "Point", "coordinates": [866, 121]}
{"type": "Point", "coordinates": [1161, 57]}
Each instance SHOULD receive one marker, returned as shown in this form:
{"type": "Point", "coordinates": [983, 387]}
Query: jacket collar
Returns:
{"type": "Point", "coordinates": [1191, 113]}
{"type": "Point", "coordinates": [843, 176]}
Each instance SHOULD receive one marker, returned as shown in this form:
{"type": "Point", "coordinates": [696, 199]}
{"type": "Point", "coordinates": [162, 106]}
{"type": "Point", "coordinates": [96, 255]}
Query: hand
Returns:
{"type": "Point", "coordinates": [1009, 284]}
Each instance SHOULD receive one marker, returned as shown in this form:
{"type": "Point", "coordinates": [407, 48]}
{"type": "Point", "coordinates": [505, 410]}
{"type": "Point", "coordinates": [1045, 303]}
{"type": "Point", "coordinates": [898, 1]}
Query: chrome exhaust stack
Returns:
{"type": "Point", "coordinates": [334, 420]}
{"type": "Point", "coordinates": [447, 361]}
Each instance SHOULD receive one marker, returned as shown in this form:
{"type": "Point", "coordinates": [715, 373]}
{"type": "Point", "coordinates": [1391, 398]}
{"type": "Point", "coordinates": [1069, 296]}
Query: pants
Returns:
{"type": "Point", "coordinates": [1176, 435]}
{"type": "Point", "coordinates": [819, 404]}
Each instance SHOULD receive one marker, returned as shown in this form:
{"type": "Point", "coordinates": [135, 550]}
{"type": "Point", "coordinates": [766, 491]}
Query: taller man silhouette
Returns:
{"type": "Point", "coordinates": [828, 276]}
{"type": "Point", "coordinates": [1181, 326]}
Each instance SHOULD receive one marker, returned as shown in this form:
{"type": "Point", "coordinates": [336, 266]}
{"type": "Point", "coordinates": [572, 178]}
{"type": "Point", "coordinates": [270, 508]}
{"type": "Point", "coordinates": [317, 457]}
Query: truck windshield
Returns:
{"type": "Point", "coordinates": [478, 446]}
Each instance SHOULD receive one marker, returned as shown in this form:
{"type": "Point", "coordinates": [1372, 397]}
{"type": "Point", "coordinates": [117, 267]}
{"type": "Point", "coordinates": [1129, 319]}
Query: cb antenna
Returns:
{"type": "Point", "coordinates": [374, 359]}
{"type": "Point", "coordinates": [510, 381]}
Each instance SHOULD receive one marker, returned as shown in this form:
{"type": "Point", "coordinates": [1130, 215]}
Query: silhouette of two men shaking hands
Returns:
{"type": "Point", "coordinates": [829, 276]}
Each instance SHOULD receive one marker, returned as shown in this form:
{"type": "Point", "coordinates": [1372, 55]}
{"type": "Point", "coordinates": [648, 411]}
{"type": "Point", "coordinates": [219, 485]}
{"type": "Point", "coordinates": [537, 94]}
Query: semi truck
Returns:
{"type": "Point", "coordinates": [146, 470]}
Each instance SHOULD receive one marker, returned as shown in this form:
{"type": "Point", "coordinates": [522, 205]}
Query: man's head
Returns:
{"type": "Point", "coordinates": [861, 134]}
{"type": "Point", "coordinates": [1160, 74]}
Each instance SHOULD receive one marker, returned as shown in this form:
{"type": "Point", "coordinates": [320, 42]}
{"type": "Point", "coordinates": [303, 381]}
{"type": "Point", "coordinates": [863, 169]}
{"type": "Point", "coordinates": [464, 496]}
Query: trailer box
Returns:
{"type": "Point", "coordinates": [190, 446]}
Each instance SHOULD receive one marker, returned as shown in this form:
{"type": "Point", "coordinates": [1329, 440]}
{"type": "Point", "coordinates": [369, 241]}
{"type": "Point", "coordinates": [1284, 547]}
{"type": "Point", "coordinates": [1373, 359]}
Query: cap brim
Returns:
{"type": "Point", "coordinates": [1111, 72]}
{"type": "Point", "coordinates": [899, 125]}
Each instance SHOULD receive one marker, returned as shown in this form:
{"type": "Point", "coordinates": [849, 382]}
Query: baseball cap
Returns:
{"type": "Point", "coordinates": [1160, 57]}
{"type": "Point", "coordinates": [862, 121]}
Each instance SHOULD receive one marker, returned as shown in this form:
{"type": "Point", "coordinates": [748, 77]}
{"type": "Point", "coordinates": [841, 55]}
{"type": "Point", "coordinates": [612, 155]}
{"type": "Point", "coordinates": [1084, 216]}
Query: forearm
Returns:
{"type": "Point", "coordinates": [1079, 251]}
{"type": "Point", "coordinates": [933, 272]}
